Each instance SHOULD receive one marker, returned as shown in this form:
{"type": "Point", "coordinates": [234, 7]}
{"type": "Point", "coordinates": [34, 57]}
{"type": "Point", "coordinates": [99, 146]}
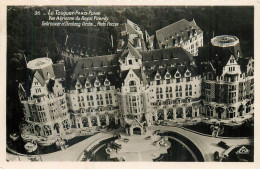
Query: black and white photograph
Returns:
{"type": "Point", "coordinates": [130, 83]}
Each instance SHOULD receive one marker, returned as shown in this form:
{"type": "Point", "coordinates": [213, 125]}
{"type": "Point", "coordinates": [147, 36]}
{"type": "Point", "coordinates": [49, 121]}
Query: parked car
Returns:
{"type": "Point", "coordinates": [126, 140]}
{"type": "Point", "coordinates": [148, 138]}
{"type": "Point", "coordinates": [216, 156]}
{"type": "Point", "coordinates": [223, 145]}
{"type": "Point", "coordinates": [165, 123]}
{"type": "Point", "coordinates": [157, 123]}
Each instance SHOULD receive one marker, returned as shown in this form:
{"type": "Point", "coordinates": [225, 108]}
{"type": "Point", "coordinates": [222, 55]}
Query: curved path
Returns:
{"type": "Point", "coordinates": [72, 153]}
{"type": "Point", "coordinates": [188, 148]}
{"type": "Point", "coordinates": [207, 145]}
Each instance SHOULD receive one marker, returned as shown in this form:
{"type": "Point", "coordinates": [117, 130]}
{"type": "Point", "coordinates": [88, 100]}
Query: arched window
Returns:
{"type": "Point", "coordinates": [88, 84]}
{"type": "Point", "coordinates": [188, 100]}
{"type": "Point", "coordinates": [178, 101]}
{"type": "Point", "coordinates": [91, 110]}
{"type": "Point", "coordinates": [177, 75]}
{"type": "Point", "coordinates": [210, 76]}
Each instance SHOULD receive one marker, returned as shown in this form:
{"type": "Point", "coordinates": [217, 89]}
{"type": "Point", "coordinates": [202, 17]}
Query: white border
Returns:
{"type": "Point", "coordinates": [130, 165]}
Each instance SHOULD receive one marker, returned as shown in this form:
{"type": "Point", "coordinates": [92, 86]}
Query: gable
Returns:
{"type": "Point", "coordinates": [131, 75]}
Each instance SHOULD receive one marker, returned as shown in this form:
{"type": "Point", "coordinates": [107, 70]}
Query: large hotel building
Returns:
{"type": "Point", "coordinates": [165, 76]}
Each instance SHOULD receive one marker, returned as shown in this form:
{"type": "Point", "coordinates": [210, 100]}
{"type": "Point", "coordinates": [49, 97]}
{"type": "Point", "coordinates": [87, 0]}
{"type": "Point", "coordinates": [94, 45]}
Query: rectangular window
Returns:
{"type": "Point", "coordinates": [130, 62]}
{"type": "Point", "coordinates": [168, 81]}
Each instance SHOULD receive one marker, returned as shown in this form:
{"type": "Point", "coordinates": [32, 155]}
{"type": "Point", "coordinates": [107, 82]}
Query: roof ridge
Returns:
{"type": "Point", "coordinates": [171, 24]}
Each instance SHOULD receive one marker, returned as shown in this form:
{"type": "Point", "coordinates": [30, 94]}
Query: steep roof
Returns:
{"type": "Point", "coordinates": [243, 64]}
{"type": "Point", "coordinates": [85, 45]}
{"type": "Point", "coordinates": [131, 27]}
{"type": "Point", "coordinates": [168, 60]}
{"type": "Point", "coordinates": [139, 73]}
{"type": "Point", "coordinates": [130, 49]}
{"type": "Point", "coordinates": [102, 67]}
{"type": "Point", "coordinates": [38, 76]}
{"type": "Point", "coordinates": [181, 28]}
{"type": "Point", "coordinates": [58, 70]}
{"type": "Point", "coordinates": [219, 56]}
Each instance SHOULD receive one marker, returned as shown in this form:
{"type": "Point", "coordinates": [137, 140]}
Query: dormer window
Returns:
{"type": "Point", "coordinates": [232, 60]}
{"type": "Point", "coordinates": [210, 76]}
{"type": "Point", "coordinates": [157, 76]}
{"type": "Point", "coordinates": [88, 84]}
{"type": "Point", "coordinates": [97, 83]}
{"type": "Point", "coordinates": [106, 83]}
{"type": "Point", "coordinates": [130, 62]}
{"type": "Point", "coordinates": [167, 76]}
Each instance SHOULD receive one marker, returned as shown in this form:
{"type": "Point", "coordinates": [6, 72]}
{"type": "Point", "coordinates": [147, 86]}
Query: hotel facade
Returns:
{"type": "Point", "coordinates": [151, 78]}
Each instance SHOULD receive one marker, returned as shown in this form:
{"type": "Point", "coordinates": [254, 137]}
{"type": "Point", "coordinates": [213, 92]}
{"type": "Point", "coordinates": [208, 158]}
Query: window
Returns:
{"type": "Point", "coordinates": [168, 81]}
{"type": "Point", "coordinates": [130, 62]}
{"type": "Point", "coordinates": [132, 83]}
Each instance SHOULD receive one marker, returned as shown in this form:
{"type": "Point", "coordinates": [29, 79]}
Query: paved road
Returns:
{"type": "Point", "coordinates": [72, 153]}
{"type": "Point", "coordinates": [207, 145]}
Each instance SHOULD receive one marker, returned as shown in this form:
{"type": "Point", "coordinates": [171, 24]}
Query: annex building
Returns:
{"type": "Point", "coordinates": [166, 76]}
